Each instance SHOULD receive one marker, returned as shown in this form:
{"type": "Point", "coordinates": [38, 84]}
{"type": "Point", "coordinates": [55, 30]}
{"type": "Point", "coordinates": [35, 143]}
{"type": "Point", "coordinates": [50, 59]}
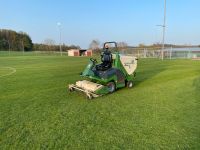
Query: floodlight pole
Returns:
{"type": "Point", "coordinates": [7, 42]}
{"type": "Point", "coordinates": [59, 26]}
{"type": "Point", "coordinates": [164, 26]}
{"type": "Point", "coordinates": [23, 46]}
{"type": "Point", "coordinates": [9, 47]}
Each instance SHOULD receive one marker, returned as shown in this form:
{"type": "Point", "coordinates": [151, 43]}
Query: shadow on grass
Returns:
{"type": "Point", "coordinates": [147, 69]}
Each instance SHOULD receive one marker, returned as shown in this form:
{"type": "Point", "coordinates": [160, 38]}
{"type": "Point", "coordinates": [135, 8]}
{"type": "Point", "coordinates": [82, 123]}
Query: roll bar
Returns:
{"type": "Point", "coordinates": [115, 43]}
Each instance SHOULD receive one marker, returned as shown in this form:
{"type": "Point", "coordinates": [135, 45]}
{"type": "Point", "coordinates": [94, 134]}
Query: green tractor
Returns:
{"type": "Point", "coordinates": [116, 71]}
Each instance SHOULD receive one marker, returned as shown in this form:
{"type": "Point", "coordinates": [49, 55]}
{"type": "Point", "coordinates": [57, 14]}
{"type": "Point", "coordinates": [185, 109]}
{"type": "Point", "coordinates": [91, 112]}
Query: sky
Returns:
{"type": "Point", "coordinates": [130, 21]}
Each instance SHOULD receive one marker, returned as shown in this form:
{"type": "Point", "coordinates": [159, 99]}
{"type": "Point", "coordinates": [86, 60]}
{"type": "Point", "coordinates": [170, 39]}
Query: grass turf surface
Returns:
{"type": "Point", "coordinates": [36, 111]}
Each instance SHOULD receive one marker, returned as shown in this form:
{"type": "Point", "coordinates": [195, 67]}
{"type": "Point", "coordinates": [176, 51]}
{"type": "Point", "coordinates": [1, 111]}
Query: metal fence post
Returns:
{"type": "Point", "coordinates": [189, 55]}
{"type": "Point", "coordinates": [171, 53]}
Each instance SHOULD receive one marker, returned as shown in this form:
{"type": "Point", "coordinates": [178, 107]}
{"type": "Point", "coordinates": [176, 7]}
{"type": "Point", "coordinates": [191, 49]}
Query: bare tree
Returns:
{"type": "Point", "coordinates": [50, 43]}
{"type": "Point", "coordinates": [122, 44]}
{"type": "Point", "coordinates": [141, 45]}
{"type": "Point", "coordinates": [95, 45]}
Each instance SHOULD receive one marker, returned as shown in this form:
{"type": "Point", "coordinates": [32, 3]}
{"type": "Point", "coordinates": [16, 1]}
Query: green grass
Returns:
{"type": "Point", "coordinates": [162, 111]}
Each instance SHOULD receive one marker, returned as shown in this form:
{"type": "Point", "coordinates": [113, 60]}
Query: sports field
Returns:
{"type": "Point", "coordinates": [162, 111]}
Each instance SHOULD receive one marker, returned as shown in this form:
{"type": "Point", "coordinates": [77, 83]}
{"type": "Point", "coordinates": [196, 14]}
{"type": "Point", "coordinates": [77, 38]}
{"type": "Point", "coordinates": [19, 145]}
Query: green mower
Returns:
{"type": "Point", "coordinates": [116, 71]}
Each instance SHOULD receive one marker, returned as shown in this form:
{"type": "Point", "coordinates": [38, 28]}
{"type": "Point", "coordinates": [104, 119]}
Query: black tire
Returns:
{"type": "Point", "coordinates": [89, 96]}
{"type": "Point", "coordinates": [129, 84]}
{"type": "Point", "coordinates": [111, 87]}
{"type": "Point", "coordinates": [71, 89]}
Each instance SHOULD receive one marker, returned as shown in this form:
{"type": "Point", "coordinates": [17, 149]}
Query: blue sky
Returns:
{"type": "Point", "coordinates": [132, 21]}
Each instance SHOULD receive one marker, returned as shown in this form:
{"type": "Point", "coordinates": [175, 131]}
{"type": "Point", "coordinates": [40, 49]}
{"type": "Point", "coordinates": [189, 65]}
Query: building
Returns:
{"type": "Point", "coordinates": [77, 52]}
{"type": "Point", "coordinates": [73, 52]}
{"type": "Point", "coordinates": [86, 53]}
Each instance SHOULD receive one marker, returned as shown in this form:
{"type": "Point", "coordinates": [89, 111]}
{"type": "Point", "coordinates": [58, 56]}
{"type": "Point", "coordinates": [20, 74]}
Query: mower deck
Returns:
{"type": "Point", "coordinates": [87, 87]}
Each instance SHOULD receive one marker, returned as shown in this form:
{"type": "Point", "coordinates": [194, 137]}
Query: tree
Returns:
{"type": "Point", "coordinates": [26, 42]}
{"type": "Point", "coordinates": [49, 43]}
{"type": "Point", "coordinates": [4, 44]}
{"type": "Point", "coordinates": [16, 41]}
{"type": "Point", "coordinates": [142, 45]}
{"type": "Point", "coordinates": [122, 44]}
{"type": "Point", "coordinates": [94, 45]}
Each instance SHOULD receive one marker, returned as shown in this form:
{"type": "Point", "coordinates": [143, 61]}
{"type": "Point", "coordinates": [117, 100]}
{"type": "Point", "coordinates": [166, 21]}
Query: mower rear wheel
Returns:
{"type": "Point", "coordinates": [111, 87]}
{"type": "Point", "coordinates": [129, 84]}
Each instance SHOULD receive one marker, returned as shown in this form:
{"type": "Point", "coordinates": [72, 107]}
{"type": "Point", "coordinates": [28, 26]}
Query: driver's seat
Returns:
{"type": "Point", "coordinates": [106, 59]}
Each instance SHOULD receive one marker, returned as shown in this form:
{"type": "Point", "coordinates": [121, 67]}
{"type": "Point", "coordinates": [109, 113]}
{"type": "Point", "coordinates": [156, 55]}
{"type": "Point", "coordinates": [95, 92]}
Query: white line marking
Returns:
{"type": "Point", "coordinates": [13, 70]}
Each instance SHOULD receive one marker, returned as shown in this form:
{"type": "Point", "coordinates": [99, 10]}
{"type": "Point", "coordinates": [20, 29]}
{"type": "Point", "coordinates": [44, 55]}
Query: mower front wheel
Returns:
{"type": "Point", "coordinates": [71, 89]}
{"type": "Point", "coordinates": [89, 96]}
{"type": "Point", "coordinates": [111, 87]}
{"type": "Point", "coordinates": [129, 84]}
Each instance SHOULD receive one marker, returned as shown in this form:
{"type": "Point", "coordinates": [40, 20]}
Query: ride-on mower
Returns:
{"type": "Point", "coordinates": [116, 71]}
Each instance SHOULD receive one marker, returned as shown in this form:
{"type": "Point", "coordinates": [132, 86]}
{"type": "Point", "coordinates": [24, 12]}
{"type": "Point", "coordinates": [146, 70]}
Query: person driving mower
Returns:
{"type": "Point", "coordinates": [106, 58]}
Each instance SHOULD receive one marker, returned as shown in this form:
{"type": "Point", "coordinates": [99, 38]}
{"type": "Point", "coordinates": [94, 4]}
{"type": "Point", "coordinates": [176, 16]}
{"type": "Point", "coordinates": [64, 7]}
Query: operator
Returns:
{"type": "Point", "coordinates": [107, 47]}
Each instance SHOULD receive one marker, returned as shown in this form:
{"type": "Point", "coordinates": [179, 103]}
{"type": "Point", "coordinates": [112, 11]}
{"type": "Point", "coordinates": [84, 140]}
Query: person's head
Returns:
{"type": "Point", "coordinates": [107, 46]}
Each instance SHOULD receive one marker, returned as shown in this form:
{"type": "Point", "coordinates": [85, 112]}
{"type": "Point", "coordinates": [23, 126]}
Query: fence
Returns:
{"type": "Point", "coordinates": [32, 53]}
{"type": "Point", "coordinates": [168, 53]}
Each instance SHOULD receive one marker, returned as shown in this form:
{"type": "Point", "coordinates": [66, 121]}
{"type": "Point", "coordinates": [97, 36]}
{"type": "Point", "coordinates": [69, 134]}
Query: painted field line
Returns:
{"type": "Point", "coordinates": [13, 70]}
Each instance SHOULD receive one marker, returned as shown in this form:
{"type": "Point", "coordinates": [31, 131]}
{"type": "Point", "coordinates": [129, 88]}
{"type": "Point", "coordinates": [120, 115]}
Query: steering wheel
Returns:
{"type": "Point", "coordinates": [93, 60]}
